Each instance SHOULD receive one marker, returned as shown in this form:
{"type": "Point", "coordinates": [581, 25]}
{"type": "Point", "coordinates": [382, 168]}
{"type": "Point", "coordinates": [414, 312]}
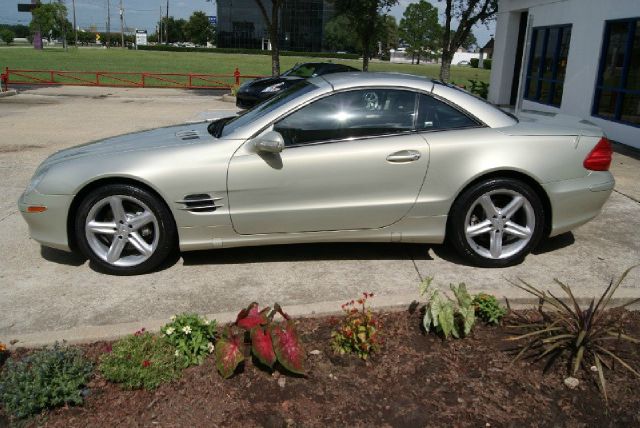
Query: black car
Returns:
{"type": "Point", "coordinates": [255, 91]}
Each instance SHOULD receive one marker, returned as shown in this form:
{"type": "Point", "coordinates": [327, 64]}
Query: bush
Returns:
{"type": "Point", "coordinates": [7, 35]}
{"type": "Point", "coordinates": [447, 316]}
{"type": "Point", "coordinates": [247, 51]}
{"type": "Point", "coordinates": [141, 360]}
{"type": "Point", "coordinates": [474, 62]}
{"type": "Point", "coordinates": [486, 64]}
{"type": "Point", "coordinates": [358, 333]}
{"type": "Point", "coordinates": [479, 88]}
{"type": "Point", "coordinates": [47, 378]}
{"type": "Point", "coordinates": [488, 309]}
{"type": "Point", "coordinates": [192, 337]}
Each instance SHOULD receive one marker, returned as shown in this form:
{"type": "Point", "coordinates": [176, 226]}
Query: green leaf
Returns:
{"type": "Point", "coordinates": [603, 384]}
{"type": "Point", "coordinates": [446, 318]}
{"type": "Point", "coordinates": [469, 318]}
{"type": "Point", "coordinates": [426, 321]}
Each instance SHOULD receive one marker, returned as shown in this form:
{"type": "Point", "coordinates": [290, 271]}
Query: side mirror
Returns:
{"type": "Point", "coordinates": [271, 142]}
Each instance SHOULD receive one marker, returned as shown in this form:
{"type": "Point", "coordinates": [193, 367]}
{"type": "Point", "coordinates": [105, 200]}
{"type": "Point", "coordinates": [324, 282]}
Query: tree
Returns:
{"type": "Point", "coordinates": [389, 36]}
{"type": "Point", "coordinates": [364, 16]}
{"type": "Point", "coordinates": [7, 36]}
{"type": "Point", "coordinates": [174, 29]}
{"type": "Point", "coordinates": [273, 26]}
{"type": "Point", "coordinates": [51, 19]}
{"type": "Point", "coordinates": [340, 36]}
{"type": "Point", "coordinates": [419, 28]}
{"type": "Point", "coordinates": [468, 13]}
{"type": "Point", "coordinates": [197, 29]}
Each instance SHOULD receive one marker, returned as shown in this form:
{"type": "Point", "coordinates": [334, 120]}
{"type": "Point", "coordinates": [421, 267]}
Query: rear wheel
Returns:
{"type": "Point", "coordinates": [497, 222]}
{"type": "Point", "coordinates": [124, 230]}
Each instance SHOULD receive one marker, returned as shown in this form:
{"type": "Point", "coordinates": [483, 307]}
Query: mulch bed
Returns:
{"type": "Point", "coordinates": [417, 380]}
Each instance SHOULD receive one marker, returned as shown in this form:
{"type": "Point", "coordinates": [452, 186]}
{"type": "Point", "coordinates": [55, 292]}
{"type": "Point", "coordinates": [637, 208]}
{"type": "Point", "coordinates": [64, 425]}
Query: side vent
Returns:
{"type": "Point", "coordinates": [200, 203]}
{"type": "Point", "coordinates": [188, 135]}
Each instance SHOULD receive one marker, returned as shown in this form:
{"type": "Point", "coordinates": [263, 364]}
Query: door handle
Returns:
{"type": "Point", "coordinates": [404, 156]}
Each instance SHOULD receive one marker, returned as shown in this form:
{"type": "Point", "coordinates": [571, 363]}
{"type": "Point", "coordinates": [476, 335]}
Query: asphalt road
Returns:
{"type": "Point", "coordinates": [44, 290]}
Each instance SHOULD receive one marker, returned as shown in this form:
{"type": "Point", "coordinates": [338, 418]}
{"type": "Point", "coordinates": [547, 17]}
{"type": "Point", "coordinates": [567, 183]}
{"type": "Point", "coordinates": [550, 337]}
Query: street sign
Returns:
{"type": "Point", "coordinates": [141, 37]}
{"type": "Point", "coordinates": [213, 20]}
{"type": "Point", "coordinates": [26, 7]}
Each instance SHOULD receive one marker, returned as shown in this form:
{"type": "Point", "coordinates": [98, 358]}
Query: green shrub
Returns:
{"type": "Point", "coordinates": [248, 52]}
{"type": "Point", "coordinates": [359, 331]}
{"type": "Point", "coordinates": [479, 88]}
{"type": "Point", "coordinates": [447, 316]}
{"type": "Point", "coordinates": [488, 309]}
{"type": "Point", "coordinates": [192, 336]}
{"type": "Point", "coordinates": [47, 378]}
{"type": "Point", "coordinates": [141, 360]}
{"type": "Point", "coordinates": [486, 64]}
{"type": "Point", "coordinates": [474, 62]}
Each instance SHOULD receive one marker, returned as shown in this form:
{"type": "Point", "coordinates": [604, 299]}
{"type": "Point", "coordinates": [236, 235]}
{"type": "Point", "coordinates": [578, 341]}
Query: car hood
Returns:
{"type": "Point", "coordinates": [268, 81]}
{"type": "Point", "coordinates": [136, 141]}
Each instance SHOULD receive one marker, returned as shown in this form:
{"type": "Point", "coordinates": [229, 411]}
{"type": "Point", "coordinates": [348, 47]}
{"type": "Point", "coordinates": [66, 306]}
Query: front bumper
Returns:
{"type": "Point", "coordinates": [575, 202]}
{"type": "Point", "coordinates": [49, 228]}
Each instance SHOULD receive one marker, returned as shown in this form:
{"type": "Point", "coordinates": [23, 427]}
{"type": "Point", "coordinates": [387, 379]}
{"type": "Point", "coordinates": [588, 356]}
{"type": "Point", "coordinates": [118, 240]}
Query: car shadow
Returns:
{"type": "Point", "coordinates": [308, 252]}
{"type": "Point", "coordinates": [555, 243]}
{"type": "Point", "coordinates": [62, 257]}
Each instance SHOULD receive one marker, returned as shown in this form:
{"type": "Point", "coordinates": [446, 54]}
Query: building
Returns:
{"type": "Point", "coordinates": [575, 57]}
{"type": "Point", "coordinates": [241, 25]}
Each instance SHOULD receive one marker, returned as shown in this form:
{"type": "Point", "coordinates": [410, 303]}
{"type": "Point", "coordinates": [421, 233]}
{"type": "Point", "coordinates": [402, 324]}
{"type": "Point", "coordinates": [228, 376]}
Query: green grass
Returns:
{"type": "Point", "coordinates": [87, 59]}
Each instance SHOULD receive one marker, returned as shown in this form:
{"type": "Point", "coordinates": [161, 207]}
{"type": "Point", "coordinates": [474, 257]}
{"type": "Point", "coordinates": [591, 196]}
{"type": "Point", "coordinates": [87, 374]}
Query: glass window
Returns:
{"type": "Point", "coordinates": [617, 95]}
{"type": "Point", "coordinates": [352, 114]}
{"type": "Point", "coordinates": [548, 64]}
{"type": "Point", "coordinates": [436, 115]}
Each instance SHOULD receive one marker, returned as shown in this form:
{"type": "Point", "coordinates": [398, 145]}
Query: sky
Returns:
{"type": "Point", "coordinates": [144, 14]}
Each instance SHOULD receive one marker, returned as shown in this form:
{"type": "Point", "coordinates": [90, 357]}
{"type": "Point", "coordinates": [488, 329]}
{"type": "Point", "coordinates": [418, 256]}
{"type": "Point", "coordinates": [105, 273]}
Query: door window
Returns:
{"type": "Point", "coordinates": [348, 115]}
{"type": "Point", "coordinates": [437, 115]}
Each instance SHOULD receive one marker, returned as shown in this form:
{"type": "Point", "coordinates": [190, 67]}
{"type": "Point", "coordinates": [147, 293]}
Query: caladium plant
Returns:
{"type": "Point", "coordinates": [270, 341]}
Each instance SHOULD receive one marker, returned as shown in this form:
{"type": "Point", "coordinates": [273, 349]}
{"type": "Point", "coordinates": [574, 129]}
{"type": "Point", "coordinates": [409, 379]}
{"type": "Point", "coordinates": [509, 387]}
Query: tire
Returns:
{"type": "Point", "coordinates": [505, 237]}
{"type": "Point", "coordinates": [124, 229]}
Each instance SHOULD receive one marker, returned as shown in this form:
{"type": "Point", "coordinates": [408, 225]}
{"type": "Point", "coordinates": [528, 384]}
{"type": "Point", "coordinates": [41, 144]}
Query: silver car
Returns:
{"type": "Point", "coordinates": [344, 157]}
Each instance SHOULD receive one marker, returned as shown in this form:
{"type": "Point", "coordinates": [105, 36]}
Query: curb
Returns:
{"type": "Point", "coordinates": [228, 98]}
{"type": "Point", "coordinates": [8, 93]}
{"type": "Point", "coordinates": [398, 302]}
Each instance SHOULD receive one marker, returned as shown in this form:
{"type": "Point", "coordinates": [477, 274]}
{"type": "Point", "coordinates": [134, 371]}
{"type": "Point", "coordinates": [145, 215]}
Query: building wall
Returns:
{"type": "Point", "coordinates": [588, 23]}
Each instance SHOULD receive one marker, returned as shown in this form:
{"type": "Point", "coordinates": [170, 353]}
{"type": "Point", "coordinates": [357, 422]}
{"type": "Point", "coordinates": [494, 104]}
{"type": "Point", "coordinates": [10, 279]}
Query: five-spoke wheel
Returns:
{"type": "Point", "coordinates": [124, 229]}
{"type": "Point", "coordinates": [497, 222]}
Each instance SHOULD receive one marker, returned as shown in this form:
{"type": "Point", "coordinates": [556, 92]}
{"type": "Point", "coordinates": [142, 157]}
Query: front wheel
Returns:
{"type": "Point", "coordinates": [124, 230]}
{"type": "Point", "coordinates": [497, 222]}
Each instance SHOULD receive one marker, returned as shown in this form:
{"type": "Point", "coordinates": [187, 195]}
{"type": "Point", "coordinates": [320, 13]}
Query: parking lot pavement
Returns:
{"type": "Point", "coordinates": [44, 290]}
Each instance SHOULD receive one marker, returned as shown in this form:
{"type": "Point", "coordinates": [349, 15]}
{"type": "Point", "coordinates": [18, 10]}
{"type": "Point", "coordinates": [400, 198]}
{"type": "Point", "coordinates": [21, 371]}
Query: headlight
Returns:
{"type": "Point", "coordinates": [37, 178]}
{"type": "Point", "coordinates": [273, 88]}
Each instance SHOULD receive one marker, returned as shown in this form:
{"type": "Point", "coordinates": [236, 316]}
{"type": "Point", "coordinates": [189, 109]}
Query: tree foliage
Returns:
{"type": "Point", "coordinates": [364, 16]}
{"type": "Point", "coordinates": [468, 13]}
{"type": "Point", "coordinates": [7, 35]}
{"type": "Point", "coordinates": [198, 30]}
{"type": "Point", "coordinates": [420, 29]}
{"type": "Point", "coordinates": [50, 19]}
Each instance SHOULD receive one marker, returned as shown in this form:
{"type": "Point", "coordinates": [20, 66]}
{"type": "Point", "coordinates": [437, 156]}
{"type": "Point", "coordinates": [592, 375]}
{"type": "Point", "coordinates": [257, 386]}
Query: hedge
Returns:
{"type": "Point", "coordinates": [248, 51]}
{"type": "Point", "coordinates": [474, 62]}
{"type": "Point", "coordinates": [486, 64]}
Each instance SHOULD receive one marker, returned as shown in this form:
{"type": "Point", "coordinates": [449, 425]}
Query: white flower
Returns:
{"type": "Point", "coordinates": [173, 318]}
{"type": "Point", "coordinates": [206, 322]}
{"type": "Point", "coordinates": [186, 329]}
{"type": "Point", "coordinates": [177, 353]}
{"type": "Point", "coordinates": [169, 331]}
{"type": "Point", "coordinates": [211, 347]}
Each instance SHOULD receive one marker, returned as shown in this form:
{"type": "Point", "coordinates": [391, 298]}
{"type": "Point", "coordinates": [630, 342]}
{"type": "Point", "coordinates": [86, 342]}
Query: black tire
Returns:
{"type": "Point", "coordinates": [162, 230]}
{"type": "Point", "coordinates": [465, 210]}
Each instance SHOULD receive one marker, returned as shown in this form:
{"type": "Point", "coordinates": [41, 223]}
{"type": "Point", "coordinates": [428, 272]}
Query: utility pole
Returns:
{"type": "Point", "coordinates": [75, 28]}
{"type": "Point", "coordinates": [166, 26]}
{"type": "Point", "coordinates": [108, 23]}
{"type": "Point", "coordinates": [121, 25]}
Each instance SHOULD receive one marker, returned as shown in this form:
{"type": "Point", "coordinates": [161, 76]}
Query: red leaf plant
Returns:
{"type": "Point", "coordinates": [270, 341]}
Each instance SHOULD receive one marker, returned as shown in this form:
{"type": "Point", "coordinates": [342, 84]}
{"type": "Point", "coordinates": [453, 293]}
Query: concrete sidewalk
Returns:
{"type": "Point", "coordinates": [47, 295]}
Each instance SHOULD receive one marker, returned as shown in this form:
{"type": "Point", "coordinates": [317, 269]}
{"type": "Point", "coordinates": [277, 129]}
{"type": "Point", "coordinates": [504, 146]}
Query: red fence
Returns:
{"type": "Point", "coordinates": [123, 79]}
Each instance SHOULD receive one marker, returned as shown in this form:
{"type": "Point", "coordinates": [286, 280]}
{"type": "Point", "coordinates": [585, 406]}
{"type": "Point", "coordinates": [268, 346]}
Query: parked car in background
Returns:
{"type": "Point", "coordinates": [343, 157]}
{"type": "Point", "coordinates": [251, 93]}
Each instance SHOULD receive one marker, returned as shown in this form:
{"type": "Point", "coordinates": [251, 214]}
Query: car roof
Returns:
{"type": "Point", "coordinates": [353, 79]}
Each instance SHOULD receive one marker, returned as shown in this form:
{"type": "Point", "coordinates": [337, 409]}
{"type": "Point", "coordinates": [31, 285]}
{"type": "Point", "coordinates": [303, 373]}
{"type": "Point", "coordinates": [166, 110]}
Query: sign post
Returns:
{"type": "Point", "coordinates": [141, 38]}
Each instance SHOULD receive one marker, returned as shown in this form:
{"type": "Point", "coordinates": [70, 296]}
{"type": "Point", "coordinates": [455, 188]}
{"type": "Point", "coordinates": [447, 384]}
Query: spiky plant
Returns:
{"type": "Point", "coordinates": [588, 336]}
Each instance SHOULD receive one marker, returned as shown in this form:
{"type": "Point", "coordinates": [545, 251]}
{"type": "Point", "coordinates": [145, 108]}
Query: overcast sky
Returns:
{"type": "Point", "coordinates": [144, 14]}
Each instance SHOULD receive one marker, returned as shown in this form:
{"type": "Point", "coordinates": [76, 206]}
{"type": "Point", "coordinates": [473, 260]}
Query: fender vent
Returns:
{"type": "Point", "coordinates": [200, 203]}
{"type": "Point", "coordinates": [188, 135]}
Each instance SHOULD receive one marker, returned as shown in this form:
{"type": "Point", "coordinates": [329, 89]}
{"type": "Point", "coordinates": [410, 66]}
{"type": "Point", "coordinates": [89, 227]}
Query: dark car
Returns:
{"type": "Point", "coordinates": [255, 91]}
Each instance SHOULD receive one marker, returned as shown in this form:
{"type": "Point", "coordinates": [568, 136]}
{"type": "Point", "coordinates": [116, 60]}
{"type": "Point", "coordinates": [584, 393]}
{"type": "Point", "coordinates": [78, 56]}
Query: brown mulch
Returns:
{"type": "Point", "coordinates": [417, 380]}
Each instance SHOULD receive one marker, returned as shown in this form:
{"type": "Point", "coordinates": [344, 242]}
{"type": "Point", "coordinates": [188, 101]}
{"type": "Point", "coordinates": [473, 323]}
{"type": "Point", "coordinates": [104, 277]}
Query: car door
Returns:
{"type": "Point", "coordinates": [352, 160]}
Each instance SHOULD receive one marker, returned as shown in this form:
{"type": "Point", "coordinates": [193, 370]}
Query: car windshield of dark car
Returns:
{"type": "Point", "coordinates": [302, 70]}
{"type": "Point", "coordinates": [266, 107]}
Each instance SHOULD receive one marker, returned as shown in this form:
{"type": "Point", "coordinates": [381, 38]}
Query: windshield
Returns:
{"type": "Point", "coordinates": [302, 70]}
{"type": "Point", "coordinates": [484, 100]}
{"type": "Point", "coordinates": [267, 107]}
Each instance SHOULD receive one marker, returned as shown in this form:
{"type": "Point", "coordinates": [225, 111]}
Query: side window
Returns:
{"type": "Point", "coordinates": [437, 115]}
{"type": "Point", "coordinates": [353, 114]}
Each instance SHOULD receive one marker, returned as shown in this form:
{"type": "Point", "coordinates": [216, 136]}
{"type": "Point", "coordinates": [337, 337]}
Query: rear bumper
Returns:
{"type": "Point", "coordinates": [575, 202]}
{"type": "Point", "coordinates": [49, 228]}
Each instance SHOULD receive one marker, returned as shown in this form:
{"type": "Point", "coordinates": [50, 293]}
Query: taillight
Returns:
{"type": "Point", "coordinates": [599, 159]}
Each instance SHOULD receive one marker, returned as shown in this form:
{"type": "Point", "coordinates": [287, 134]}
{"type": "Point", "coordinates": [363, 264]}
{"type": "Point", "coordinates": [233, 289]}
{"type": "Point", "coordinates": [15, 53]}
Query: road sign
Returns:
{"type": "Point", "coordinates": [213, 20]}
{"type": "Point", "coordinates": [26, 7]}
{"type": "Point", "coordinates": [141, 37]}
